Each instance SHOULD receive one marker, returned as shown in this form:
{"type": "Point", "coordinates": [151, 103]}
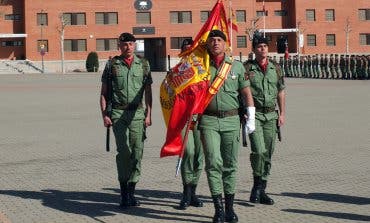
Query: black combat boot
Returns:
{"type": "Point", "coordinates": [125, 200]}
{"type": "Point", "coordinates": [264, 199]}
{"type": "Point", "coordinates": [194, 200]}
{"type": "Point", "coordinates": [131, 195]}
{"type": "Point", "coordinates": [186, 197]}
{"type": "Point", "coordinates": [219, 216]}
{"type": "Point", "coordinates": [230, 215]}
{"type": "Point", "coordinates": [256, 190]}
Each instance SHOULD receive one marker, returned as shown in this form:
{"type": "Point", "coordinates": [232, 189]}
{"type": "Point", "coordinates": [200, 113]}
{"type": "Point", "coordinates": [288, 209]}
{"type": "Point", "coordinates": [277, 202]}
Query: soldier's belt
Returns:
{"type": "Point", "coordinates": [127, 106]}
{"type": "Point", "coordinates": [222, 114]}
{"type": "Point", "coordinates": [265, 109]}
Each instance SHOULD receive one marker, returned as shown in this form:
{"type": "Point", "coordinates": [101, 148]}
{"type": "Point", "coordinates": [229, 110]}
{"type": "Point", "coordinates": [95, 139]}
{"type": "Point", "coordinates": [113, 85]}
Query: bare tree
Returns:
{"type": "Point", "coordinates": [253, 28]}
{"type": "Point", "coordinates": [63, 23]}
{"type": "Point", "coordinates": [299, 32]}
{"type": "Point", "coordinates": [347, 30]}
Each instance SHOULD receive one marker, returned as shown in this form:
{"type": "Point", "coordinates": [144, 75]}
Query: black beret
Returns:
{"type": "Point", "coordinates": [258, 39]}
{"type": "Point", "coordinates": [186, 42]}
{"type": "Point", "coordinates": [217, 33]}
{"type": "Point", "coordinates": [127, 37]}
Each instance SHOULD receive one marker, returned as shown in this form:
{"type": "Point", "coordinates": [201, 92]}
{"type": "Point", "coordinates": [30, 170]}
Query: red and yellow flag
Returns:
{"type": "Point", "coordinates": [185, 88]}
{"type": "Point", "coordinates": [232, 21]}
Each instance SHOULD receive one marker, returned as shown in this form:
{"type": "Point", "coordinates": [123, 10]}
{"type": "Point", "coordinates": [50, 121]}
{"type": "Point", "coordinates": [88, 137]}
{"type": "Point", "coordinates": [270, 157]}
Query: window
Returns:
{"type": "Point", "coordinates": [204, 16]}
{"type": "Point", "coordinates": [42, 43]}
{"type": "Point", "coordinates": [12, 43]}
{"type": "Point", "coordinates": [241, 15]}
{"type": "Point", "coordinates": [311, 40]}
{"type": "Point", "coordinates": [106, 44]}
{"type": "Point", "coordinates": [75, 18]}
{"type": "Point", "coordinates": [180, 17]}
{"type": "Point", "coordinates": [329, 15]}
{"type": "Point", "coordinates": [260, 13]}
{"type": "Point", "coordinates": [177, 41]}
{"type": "Point", "coordinates": [364, 14]}
{"type": "Point", "coordinates": [365, 39]}
{"type": "Point", "coordinates": [74, 45]}
{"type": "Point", "coordinates": [280, 13]}
{"type": "Point", "coordinates": [241, 42]}
{"type": "Point", "coordinates": [143, 18]}
{"type": "Point", "coordinates": [102, 18]}
{"type": "Point", "coordinates": [310, 15]}
{"type": "Point", "coordinates": [42, 19]}
{"type": "Point", "coordinates": [330, 39]}
{"type": "Point", "coordinates": [14, 17]}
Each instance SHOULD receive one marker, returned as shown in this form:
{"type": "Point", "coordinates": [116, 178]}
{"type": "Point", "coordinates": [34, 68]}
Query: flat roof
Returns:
{"type": "Point", "coordinates": [12, 35]}
{"type": "Point", "coordinates": [292, 30]}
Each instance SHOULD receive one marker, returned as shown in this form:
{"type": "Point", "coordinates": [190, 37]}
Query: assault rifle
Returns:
{"type": "Point", "coordinates": [243, 121]}
{"type": "Point", "coordinates": [278, 127]}
{"type": "Point", "coordinates": [108, 98]}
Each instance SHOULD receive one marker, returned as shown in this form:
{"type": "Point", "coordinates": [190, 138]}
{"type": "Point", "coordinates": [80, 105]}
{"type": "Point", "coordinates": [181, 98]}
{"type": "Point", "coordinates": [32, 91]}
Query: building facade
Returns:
{"type": "Point", "coordinates": [50, 30]}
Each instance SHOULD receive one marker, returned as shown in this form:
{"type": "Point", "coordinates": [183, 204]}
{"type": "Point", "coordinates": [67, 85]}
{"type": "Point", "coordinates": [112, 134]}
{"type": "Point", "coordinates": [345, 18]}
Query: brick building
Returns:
{"type": "Point", "coordinates": [29, 28]}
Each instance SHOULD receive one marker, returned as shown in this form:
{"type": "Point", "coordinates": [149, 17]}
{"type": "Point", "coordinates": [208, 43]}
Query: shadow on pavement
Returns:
{"type": "Point", "coordinates": [330, 197]}
{"type": "Point", "coordinates": [347, 216]}
{"type": "Point", "coordinates": [97, 204]}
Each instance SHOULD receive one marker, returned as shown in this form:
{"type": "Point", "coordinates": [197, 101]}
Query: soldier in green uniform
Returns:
{"type": "Point", "coordinates": [267, 85]}
{"type": "Point", "coordinates": [305, 67]}
{"type": "Point", "coordinates": [130, 81]}
{"type": "Point", "coordinates": [192, 163]}
{"type": "Point", "coordinates": [367, 67]}
{"type": "Point", "coordinates": [342, 66]}
{"type": "Point", "coordinates": [323, 66]}
{"type": "Point", "coordinates": [353, 66]}
{"type": "Point", "coordinates": [220, 127]}
{"type": "Point", "coordinates": [328, 73]}
{"type": "Point", "coordinates": [337, 66]}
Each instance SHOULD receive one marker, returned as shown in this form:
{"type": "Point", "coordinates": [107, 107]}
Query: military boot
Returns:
{"type": "Point", "coordinates": [219, 216]}
{"type": "Point", "coordinates": [131, 195]}
{"type": "Point", "coordinates": [264, 199]}
{"type": "Point", "coordinates": [256, 190]}
{"type": "Point", "coordinates": [186, 197]}
{"type": "Point", "coordinates": [194, 200]}
{"type": "Point", "coordinates": [230, 215]}
{"type": "Point", "coordinates": [125, 200]}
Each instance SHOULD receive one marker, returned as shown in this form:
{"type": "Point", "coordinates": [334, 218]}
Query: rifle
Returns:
{"type": "Point", "coordinates": [169, 62]}
{"type": "Point", "coordinates": [244, 133]}
{"type": "Point", "coordinates": [278, 127]}
{"type": "Point", "coordinates": [243, 121]}
{"type": "Point", "coordinates": [108, 108]}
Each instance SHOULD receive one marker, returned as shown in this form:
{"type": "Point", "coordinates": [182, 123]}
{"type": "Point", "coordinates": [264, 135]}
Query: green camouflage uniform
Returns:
{"type": "Point", "coordinates": [265, 88]}
{"type": "Point", "coordinates": [192, 162]}
{"type": "Point", "coordinates": [128, 114]}
{"type": "Point", "coordinates": [220, 130]}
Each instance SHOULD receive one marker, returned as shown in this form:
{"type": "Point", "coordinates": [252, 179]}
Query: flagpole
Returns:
{"type": "Point", "coordinates": [230, 28]}
{"type": "Point", "coordinates": [183, 146]}
{"type": "Point", "coordinates": [264, 19]}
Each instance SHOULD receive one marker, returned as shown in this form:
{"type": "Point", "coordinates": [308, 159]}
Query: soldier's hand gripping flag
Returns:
{"type": "Point", "coordinates": [184, 92]}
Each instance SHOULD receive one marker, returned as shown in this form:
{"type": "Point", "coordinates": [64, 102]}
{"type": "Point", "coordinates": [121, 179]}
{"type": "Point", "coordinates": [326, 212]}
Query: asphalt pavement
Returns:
{"type": "Point", "coordinates": [54, 167]}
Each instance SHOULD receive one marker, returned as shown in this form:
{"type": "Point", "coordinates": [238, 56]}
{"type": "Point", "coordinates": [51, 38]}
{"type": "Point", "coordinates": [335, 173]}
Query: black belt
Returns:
{"type": "Point", "coordinates": [265, 109]}
{"type": "Point", "coordinates": [127, 106]}
{"type": "Point", "coordinates": [222, 114]}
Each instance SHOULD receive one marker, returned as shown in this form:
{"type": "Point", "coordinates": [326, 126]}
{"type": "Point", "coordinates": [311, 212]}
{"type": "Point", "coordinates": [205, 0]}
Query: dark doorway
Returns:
{"type": "Point", "coordinates": [154, 50]}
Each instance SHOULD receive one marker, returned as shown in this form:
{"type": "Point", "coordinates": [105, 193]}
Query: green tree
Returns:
{"type": "Point", "coordinates": [92, 62]}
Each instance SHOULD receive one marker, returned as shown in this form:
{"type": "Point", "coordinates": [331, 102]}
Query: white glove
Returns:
{"type": "Point", "coordinates": [250, 126]}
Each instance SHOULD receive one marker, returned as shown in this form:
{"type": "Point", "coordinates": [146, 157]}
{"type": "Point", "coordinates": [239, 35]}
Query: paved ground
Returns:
{"type": "Point", "coordinates": [54, 168]}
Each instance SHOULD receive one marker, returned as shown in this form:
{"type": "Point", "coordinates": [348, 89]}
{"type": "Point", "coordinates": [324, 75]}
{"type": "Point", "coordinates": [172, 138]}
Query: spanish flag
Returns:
{"type": "Point", "coordinates": [185, 89]}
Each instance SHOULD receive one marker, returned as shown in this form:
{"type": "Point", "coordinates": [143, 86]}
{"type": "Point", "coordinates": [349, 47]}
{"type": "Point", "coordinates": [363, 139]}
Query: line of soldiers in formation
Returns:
{"type": "Point", "coordinates": [329, 66]}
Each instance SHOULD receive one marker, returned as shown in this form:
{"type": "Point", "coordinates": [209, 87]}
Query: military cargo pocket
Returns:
{"type": "Point", "coordinates": [137, 80]}
{"type": "Point", "coordinates": [118, 81]}
{"type": "Point", "coordinates": [272, 85]}
{"type": "Point", "coordinates": [231, 84]}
